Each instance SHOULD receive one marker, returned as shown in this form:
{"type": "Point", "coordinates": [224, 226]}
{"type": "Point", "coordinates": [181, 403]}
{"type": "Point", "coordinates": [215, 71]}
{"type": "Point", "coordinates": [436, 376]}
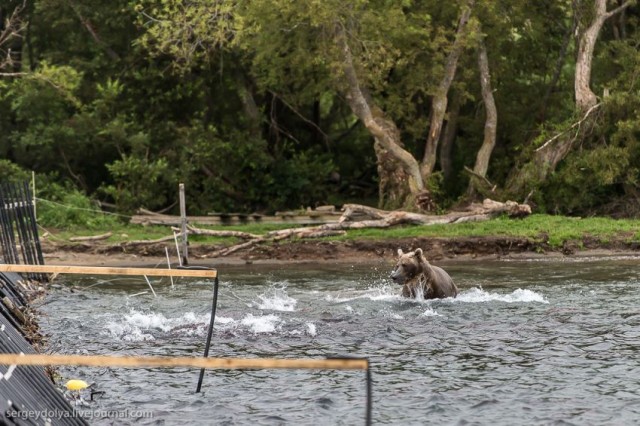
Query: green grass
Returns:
{"type": "Point", "coordinates": [536, 227]}
{"type": "Point", "coordinates": [556, 228]}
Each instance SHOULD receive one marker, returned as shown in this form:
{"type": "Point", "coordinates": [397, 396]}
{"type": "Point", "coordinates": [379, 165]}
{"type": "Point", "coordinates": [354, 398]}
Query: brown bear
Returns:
{"type": "Point", "coordinates": [418, 277]}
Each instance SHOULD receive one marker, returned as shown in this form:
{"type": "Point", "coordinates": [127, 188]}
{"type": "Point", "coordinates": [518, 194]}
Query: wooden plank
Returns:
{"type": "Point", "coordinates": [191, 362]}
{"type": "Point", "coordinates": [108, 270]}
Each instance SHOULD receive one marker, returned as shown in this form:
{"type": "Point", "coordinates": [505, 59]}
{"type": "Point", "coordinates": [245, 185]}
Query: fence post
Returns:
{"type": "Point", "coordinates": [183, 226]}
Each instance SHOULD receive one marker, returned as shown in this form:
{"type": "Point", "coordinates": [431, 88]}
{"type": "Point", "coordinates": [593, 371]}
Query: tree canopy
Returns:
{"type": "Point", "coordinates": [259, 106]}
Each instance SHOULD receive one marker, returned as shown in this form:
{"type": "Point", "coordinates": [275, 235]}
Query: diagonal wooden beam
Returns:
{"type": "Point", "coordinates": [108, 270]}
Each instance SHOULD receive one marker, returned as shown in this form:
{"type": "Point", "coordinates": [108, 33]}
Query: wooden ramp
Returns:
{"type": "Point", "coordinates": [107, 270]}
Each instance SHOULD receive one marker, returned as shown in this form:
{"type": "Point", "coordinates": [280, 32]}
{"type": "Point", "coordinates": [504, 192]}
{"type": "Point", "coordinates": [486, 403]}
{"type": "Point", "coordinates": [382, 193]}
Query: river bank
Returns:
{"type": "Point", "coordinates": [324, 251]}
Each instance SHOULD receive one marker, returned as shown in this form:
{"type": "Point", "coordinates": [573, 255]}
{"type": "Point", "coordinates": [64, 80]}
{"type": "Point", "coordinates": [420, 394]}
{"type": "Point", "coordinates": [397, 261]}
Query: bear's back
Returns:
{"type": "Point", "coordinates": [442, 285]}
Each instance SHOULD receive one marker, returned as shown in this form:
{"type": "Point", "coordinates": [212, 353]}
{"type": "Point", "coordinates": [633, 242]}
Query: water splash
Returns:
{"type": "Point", "coordinates": [311, 329]}
{"type": "Point", "coordinates": [478, 295]}
{"type": "Point", "coordinates": [140, 326]}
{"type": "Point", "coordinates": [276, 299]}
{"type": "Point", "coordinates": [430, 312]}
{"type": "Point", "coordinates": [378, 293]}
{"type": "Point", "coordinates": [261, 323]}
{"type": "Point", "coordinates": [127, 332]}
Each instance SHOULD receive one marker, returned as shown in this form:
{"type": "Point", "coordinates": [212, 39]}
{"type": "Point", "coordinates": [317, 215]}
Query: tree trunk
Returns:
{"type": "Point", "coordinates": [439, 101]}
{"type": "Point", "coordinates": [252, 113]}
{"type": "Point", "coordinates": [491, 121]}
{"type": "Point", "coordinates": [399, 172]}
{"type": "Point", "coordinates": [546, 158]}
{"type": "Point", "coordinates": [585, 98]}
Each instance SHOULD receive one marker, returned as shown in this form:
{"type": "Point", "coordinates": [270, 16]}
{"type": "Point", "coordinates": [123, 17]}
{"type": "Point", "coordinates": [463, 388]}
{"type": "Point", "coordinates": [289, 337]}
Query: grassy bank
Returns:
{"type": "Point", "coordinates": [554, 229]}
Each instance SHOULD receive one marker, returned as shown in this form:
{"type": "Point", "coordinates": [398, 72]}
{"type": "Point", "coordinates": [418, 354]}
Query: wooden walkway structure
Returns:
{"type": "Point", "coordinates": [11, 360]}
{"type": "Point", "coordinates": [17, 216]}
{"type": "Point", "coordinates": [107, 270]}
{"type": "Point", "coordinates": [197, 362]}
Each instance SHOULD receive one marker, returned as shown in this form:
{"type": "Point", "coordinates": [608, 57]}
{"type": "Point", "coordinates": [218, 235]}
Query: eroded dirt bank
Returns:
{"type": "Point", "coordinates": [356, 251]}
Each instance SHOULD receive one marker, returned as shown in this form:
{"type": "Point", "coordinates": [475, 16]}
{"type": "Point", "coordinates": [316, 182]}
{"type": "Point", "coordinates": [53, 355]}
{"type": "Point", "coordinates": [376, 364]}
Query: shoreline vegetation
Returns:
{"type": "Point", "coordinates": [537, 235]}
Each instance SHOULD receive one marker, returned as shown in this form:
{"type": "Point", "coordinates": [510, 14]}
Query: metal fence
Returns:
{"type": "Point", "coordinates": [18, 229]}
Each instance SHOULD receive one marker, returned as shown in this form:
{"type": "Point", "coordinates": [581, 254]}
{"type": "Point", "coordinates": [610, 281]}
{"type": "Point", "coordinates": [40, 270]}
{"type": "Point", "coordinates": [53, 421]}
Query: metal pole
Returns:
{"type": "Point", "coordinates": [34, 226]}
{"type": "Point", "coordinates": [183, 226]}
{"type": "Point", "coordinates": [369, 404]}
{"type": "Point", "coordinates": [210, 332]}
{"type": "Point", "coordinates": [7, 223]}
{"type": "Point", "coordinates": [7, 246]}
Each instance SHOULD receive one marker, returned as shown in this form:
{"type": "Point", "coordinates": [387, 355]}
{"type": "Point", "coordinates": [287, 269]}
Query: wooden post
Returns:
{"type": "Point", "coordinates": [183, 227]}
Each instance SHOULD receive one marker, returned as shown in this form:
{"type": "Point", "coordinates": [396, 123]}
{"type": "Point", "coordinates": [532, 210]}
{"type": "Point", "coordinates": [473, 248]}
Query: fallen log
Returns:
{"type": "Point", "coordinates": [356, 216]}
{"type": "Point", "coordinates": [92, 238]}
{"type": "Point", "coordinates": [238, 234]}
{"type": "Point", "coordinates": [148, 242]}
{"type": "Point", "coordinates": [383, 219]}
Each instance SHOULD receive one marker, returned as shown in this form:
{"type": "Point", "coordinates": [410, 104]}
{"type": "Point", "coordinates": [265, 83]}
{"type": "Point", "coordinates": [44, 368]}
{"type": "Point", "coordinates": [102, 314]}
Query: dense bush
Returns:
{"type": "Point", "coordinates": [65, 208]}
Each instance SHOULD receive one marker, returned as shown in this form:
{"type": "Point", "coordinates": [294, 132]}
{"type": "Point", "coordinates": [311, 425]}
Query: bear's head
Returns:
{"type": "Point", "coordinates": [408, 266]}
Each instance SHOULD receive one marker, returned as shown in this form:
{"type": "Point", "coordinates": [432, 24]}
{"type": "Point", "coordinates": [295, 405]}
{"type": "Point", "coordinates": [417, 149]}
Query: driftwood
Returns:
{"type": "Point", "coordinates": [475, 212]}
{"type": "Point", "coordinates": [148, 242]}
{"type": "Point", "coordinates": [92, 238]}
{"type": "Point", "coordinates": [376, 218]}
{"type": "Point", "coordinates": [238, 234]}
{"type": "Point", "coordinates": [354, 216]}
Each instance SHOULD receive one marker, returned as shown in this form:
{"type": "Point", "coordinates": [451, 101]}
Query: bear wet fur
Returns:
{"type": "Point", "coordinates": [417, 276]}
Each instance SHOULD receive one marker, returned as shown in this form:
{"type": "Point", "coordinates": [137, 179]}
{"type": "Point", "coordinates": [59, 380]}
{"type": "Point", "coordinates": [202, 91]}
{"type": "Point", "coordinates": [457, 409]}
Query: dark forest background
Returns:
{"type": "Point", "coordinates": [260, 106]}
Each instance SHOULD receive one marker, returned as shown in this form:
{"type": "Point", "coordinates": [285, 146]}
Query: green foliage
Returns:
{"type": "Point", "coordinates": [603, 177]}
{"type": "Point", "coordinates": [64, 207]}
{"type": "Point", "coordinates": [244, 101]}
{"type": "Point", "coordinates": [11, 172]}
{"type": "Point", "coordinates": [241, 176]}
{"type": "Point", "coordinates": [435, 186]}
{"type": "Point", "coordinates": [136, 183]}
{"type": "Point", "coordinates": [587, 179]}
{"type": "Point", "coordinates": [301, 181]}
{"type": "Point", "coordinates": [554, 229]}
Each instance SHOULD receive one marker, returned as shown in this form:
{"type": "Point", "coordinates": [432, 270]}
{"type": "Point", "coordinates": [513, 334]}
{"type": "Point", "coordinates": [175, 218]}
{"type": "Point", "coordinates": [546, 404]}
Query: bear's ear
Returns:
{"type": "Point", "coordinates": [418, 252]}
{"type": "Point", "coordinates": [400, 253]}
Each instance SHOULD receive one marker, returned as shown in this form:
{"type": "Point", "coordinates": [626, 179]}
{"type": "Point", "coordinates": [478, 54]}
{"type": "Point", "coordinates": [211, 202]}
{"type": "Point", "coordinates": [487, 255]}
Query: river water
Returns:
{"type": "Point", "coordinates": [525, 342]}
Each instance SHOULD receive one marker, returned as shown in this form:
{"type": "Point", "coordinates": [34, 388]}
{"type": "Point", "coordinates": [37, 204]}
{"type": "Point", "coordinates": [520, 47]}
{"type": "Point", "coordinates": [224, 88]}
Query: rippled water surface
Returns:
{"type": "Point", "coordinates": [526, 342]}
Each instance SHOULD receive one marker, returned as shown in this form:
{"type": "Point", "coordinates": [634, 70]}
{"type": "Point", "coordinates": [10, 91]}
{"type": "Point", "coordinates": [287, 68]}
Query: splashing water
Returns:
{"type": "Point", "coordinates": [261, 323]}
{"type": "Point", "coordinates": [140, 326]}
{"type": "Point", "coordinates": [276, 299]}
{"type": "Point", "coordinates": [478, 295]}
{"type": "Point", "coordinates": [509, 352]}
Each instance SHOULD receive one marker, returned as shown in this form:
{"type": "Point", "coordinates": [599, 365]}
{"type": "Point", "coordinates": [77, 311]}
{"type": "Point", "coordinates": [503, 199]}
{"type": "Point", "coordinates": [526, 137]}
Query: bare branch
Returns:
{"type": "Point", "coordinates": [14, 26]}
{"type": "Point", "coordinates": [586, 115]}
{"type": "Point", "coordinates": [89, 27]}
{"type": "Point", "coordinates": [619, 8]}
{"type": "Point", "coordinates": [296, 112]}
